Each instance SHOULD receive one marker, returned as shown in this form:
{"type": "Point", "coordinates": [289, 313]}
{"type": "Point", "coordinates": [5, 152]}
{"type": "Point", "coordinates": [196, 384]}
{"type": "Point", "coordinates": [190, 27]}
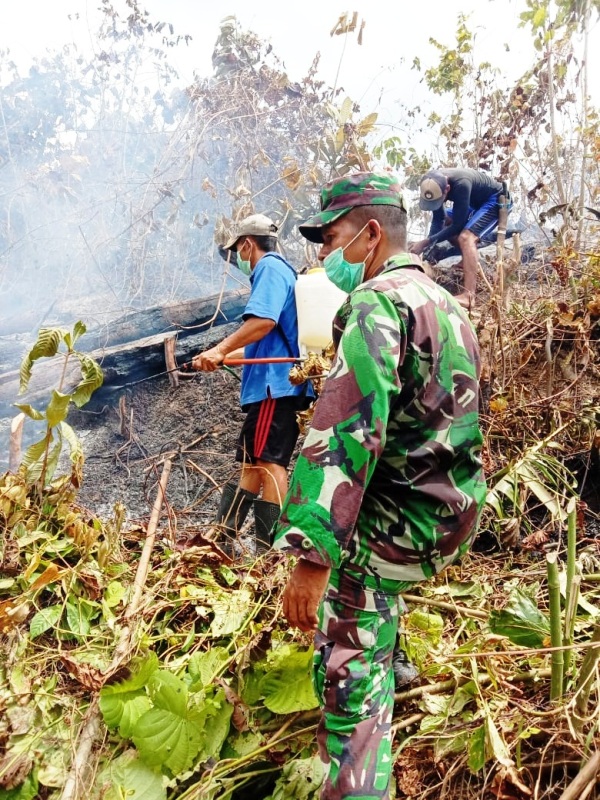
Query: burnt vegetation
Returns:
{"type": "Point", "coordinates": [133, 666]}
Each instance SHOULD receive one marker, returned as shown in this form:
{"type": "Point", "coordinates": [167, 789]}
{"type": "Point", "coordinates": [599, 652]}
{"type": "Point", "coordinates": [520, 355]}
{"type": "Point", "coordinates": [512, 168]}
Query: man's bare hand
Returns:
{"type": "Point", "coordinates": [418, 247]}
{"type": "Point", "coordinates": [209, 360]}
{"type": "Point", "coordinates": [303, 594]}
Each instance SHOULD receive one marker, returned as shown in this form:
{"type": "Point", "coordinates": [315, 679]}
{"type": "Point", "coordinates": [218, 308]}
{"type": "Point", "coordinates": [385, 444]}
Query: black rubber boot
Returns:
{"type": "Point", "coordinates": [233, 510]}
{"type": "Point", "coordinates": [405, 671]}
{"type": "Point", "coordinates": [266, 515]}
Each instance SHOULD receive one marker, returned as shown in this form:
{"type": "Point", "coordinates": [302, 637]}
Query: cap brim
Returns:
{"type": "Point", "coordinates": [312, 229]}
{"type": "Point", "coordinates": [431, 205]}
{"type": "Point", "coordinates": [232, 243]}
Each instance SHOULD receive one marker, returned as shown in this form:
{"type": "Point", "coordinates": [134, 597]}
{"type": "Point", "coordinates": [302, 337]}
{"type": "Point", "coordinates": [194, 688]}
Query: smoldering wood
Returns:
{"type": "Point", "coordinates": [140, 357]}
{"type": "Point", "coordinates": [188, 318]}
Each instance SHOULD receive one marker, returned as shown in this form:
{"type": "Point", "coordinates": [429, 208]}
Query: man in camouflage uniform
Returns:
{"type": "Point", "coordinates": [388, 487]}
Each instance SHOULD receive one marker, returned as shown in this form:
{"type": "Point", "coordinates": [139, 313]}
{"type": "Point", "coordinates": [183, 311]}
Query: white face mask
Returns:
{"type": "Point", "coordinates": [343, 274]}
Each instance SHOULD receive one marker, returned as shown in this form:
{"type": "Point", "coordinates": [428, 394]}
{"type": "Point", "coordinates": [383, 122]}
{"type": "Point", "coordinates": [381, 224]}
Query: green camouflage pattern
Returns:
{"type": "Point", "coordinates": [389, 479]}
{"type": "Point", "coordinates": [341, 195]}
{"type": "Point", "coordinates": [354, 681]}
{"type": "Point", "coordinates": [387, 491]}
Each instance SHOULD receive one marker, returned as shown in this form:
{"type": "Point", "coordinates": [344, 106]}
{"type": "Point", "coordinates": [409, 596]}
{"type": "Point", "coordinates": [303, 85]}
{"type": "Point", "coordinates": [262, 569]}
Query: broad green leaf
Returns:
{"type": "Point", "coordinates": [301, 779]}
{"type": "Point", "coordinates": [168, 691]}
{"type": "Point", "coordinates": [476, 748]}
{"type": "Point", "coordinates": [203, 667]}
{"type": "Point", "coordinates": [521, 621]}
{"type": "Point", "coordinates": [114, 593]}
{"type": "Point", "coordinates": [80, 613]}
{"type": "Point", "coordinates": [231, 611]}
{"type": "Point", "coordinates": [288, 686]}
{"type": "Point", "coordinates": [168, 739]}
{"type": "Point", "coordinates": [78, 330]}
{"type": "Point", "coordinates": [57, 408]}
{"type": "Point", "coordinates": [45, 619]}
{"type": "Point", "coordinates": [120, 703]}
{"type": "Point", "coordinates": [34, 452]}
{"type": "Point", "coordinates": [217, 722]}
{"type": "Point", "coordinates": [51, 462]}
{"type": "Point", "coordinates": [242, 744]}
{"type": "Point", "coordinates": [432, 722]}
{"type": "Point", "coordinates": [431, 624]}
{"type": "Point", "coordinates": [132, 779]}
{"type": "Point", "coordinates": [31, 412]}
{"type": "Point", "coordinates": [92, 380]}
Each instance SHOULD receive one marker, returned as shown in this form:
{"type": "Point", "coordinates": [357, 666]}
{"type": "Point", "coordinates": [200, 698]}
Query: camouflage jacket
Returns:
{"type": "Point", "coordinates": [389, 480]}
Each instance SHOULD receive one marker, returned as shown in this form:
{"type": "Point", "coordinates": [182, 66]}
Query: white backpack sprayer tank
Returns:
{"type": "Point", "coordinates": [317, 301]}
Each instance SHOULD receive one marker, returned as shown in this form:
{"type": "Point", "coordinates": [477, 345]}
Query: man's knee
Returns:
{"type": "Point", "coordinates": [467, 240]}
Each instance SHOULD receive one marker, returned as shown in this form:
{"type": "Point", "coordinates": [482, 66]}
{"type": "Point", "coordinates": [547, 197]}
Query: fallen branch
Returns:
{"type": "Point", "coordinates": [426, 601]}
{"type": "Point", "coordinates": [77, 779]}
{"type": "Point", "coordinates": [587, 776]}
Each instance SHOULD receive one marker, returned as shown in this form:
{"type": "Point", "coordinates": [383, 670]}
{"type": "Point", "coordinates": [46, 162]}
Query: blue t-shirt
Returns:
{"type": "Point", "coordinates": [272, 296]}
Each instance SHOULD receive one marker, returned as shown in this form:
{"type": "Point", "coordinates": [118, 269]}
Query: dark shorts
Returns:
{"type": "Point", "coordinates": [483, 221]}
{"type": "Point", "coordinates": [270, 430]}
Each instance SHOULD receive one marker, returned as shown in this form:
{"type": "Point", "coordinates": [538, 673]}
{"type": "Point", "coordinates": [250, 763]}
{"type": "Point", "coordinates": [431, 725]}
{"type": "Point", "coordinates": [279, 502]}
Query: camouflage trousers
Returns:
{"type": "Point", "coordinates": [354, 681]}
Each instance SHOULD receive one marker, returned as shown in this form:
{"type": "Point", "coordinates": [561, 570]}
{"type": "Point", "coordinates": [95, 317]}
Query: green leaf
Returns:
{"type": "Point", "coordinates": [476, 749]}
{"type": "Point", "coordinates": [230, 611]}
{"type": "Point", "coordinates": [123, 703]}
{"type": "Point", "coordinates": [45, 619]}
{"type": "Point", "coordinates": [430, 624]}
{"type": "Point", "coordinates": [217, 722]}
{"type": "Point", "coordinates": [288, 686]}
{"type": "Point", "coordinates": [31, 412]}
{"type": "Point", "coordinates": [131, 778]}
{"type": "Point", "coordinates": [80, 612]}
{"type": "Point", "coordinates": [539, 17]}
{"type": "Point", "coordinates": [114, 593]}
{"type": "Point", "coordinates": [521, 621]}
{"type": "Point", "coordinates": [448, 744]}
{"type": "Point", "coordinates": [34, 452]}
{"type": "Point", "coordinates": [169, 734]}
{"type": "Point", "coordinates": [203, 667]}
{"type": "Point", "coordinates": [57, 408]}
{"type": "Point", "coordinates": [51, 461]}
{"type": "Point", "coordinates": [28, 790]}
{"type": "Point", "coordinates": [46, 346]}
{"type": "Point", "coordinates": [78, 330]}
{"type": "Point", "coordinates": [69, 434]}
{"type": "Point", "coordinates": [92, 380]}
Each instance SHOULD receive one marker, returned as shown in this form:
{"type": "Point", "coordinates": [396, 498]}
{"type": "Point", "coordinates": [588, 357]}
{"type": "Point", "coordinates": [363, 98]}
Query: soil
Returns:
{"type": "Point", "coordinates": [196, 425]}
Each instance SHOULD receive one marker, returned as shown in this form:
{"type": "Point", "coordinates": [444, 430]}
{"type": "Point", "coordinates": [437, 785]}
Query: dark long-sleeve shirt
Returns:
{"type": "Point", "coordinates": [469, 190]}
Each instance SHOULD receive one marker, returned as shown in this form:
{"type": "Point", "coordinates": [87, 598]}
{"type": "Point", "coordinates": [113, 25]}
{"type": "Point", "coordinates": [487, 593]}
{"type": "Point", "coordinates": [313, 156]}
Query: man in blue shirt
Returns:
{"type": "Point", "coordinates": [270, 430]}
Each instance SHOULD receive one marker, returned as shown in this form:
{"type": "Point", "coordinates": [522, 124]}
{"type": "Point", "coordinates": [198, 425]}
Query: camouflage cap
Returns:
{"type": "Point", "coordinates": [341, 195]}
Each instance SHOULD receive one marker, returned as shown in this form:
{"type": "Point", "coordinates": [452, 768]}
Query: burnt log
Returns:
{"type": "Point", "coordinates": [127, 363]}
{"type": "Point", "coordinates": [185, 319]}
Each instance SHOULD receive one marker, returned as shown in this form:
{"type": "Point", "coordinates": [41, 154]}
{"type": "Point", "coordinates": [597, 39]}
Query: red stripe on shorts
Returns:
{"type": "Point", "coordinates": [263, 425]}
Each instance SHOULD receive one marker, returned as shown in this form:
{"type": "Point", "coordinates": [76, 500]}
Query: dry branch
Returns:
{"type": "Point", "coordinates": [586, 777]}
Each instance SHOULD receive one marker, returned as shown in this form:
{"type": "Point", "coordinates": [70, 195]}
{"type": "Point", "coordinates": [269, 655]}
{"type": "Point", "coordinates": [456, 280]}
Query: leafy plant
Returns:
{"type": "Point", "coordinates": [41, 458]}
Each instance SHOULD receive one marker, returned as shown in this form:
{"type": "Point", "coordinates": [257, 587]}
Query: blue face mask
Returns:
{"type": "Point", "coordinates": [243, 265]}
{"type": "Point", "coordinates": [342, 273]}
